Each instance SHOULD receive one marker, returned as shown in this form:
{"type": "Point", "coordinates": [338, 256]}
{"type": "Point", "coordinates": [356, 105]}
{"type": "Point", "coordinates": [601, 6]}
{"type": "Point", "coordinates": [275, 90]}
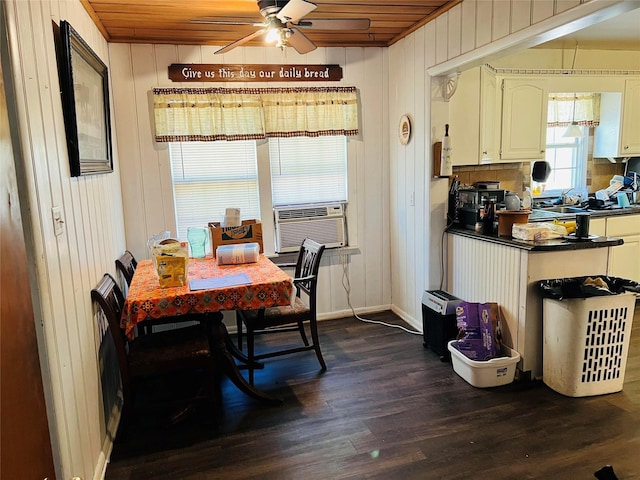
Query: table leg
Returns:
{"type": "Point", "coordinates": [238, 354]}
{"type": "Point", "coordinates": [218, 340]}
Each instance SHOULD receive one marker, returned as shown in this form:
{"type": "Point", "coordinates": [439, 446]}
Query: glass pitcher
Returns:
{"type": "Point", "coordinates": [198, 238]}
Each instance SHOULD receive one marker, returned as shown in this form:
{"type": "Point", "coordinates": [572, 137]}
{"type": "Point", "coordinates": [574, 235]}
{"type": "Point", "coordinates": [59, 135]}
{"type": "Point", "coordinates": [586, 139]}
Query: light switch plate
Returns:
{"type": "Point", "coordinates": [58, 221]}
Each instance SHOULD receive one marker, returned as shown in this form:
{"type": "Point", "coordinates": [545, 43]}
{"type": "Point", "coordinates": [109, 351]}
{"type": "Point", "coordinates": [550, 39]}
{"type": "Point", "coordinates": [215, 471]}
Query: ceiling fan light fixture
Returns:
{"type": "Point", "coordinates": [283, 23]}
{"type": "Point", "coordinates": [273, 35]}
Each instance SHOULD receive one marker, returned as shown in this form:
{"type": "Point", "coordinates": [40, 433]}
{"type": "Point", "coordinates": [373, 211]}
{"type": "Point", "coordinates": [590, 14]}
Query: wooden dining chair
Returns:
{"type": "Point", "coordinates": [155, 354]}
{"type": "Point", "coordinates": [290, 317]}
{"type": "Point", "coordinates": [126, 265]}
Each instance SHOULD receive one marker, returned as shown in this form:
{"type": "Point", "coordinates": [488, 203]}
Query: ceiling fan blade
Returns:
{"type": "Point", "coordinates": [226, 22]}
{"type": "Point", "coordinates": [300, 42]}
{"type": "Point", "coordinates": [336, 24]}
{"type": "Point", "coordinates": [295, 10]}
{"type": "Point", "coordinates": [243, 40]}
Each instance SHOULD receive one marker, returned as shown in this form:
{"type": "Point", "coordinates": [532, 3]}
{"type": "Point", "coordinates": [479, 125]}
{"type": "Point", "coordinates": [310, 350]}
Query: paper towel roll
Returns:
{"type": "Point", "coordinates": [235, 254]}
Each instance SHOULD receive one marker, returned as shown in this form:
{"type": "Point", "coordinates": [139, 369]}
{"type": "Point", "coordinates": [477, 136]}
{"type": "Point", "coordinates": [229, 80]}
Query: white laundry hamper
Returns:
{"type": "Point", "coordinates": [586, 342]}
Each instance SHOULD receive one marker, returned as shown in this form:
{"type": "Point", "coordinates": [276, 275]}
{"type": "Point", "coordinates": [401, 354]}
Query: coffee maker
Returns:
{"type": "Point", "coordinates": [470, 204]}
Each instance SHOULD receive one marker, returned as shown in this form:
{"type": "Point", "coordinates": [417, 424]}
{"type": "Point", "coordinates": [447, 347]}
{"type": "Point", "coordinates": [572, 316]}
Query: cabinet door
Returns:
{"type": "Point", "coordinates": [473, 112]}
{"type": "Point", "coordinates": [624, 260]}
{"type": "Point", "coordinates": [488, 116]}
{"type": "Point", "coordinates": [524, 118]}
{"type": "Point", "coordinates": [607, 136]}
{"type": "Point", "coordinates": [630, 135]}
{"type": "Point", "coordinates": [598, 226]}
{"type": "Point", "coordinates": [464, 116]}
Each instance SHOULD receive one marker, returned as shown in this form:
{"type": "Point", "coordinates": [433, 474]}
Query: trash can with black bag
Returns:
{"type": "Point", "coordinates": [586, 330]}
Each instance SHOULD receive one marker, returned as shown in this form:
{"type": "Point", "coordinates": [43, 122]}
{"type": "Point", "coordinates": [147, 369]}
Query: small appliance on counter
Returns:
{"type": "Point", "coordinates": [471, 204]}
{"type": "Point", "coordinates": [439, 321]}
{"type": "Point", "coordinates": [487, 185]}
{"type": "Point", "coordinates": [632, 179]}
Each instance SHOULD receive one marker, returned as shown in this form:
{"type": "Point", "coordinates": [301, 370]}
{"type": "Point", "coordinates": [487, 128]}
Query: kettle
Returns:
{"type": "Point", "coordinates": [511, 201]}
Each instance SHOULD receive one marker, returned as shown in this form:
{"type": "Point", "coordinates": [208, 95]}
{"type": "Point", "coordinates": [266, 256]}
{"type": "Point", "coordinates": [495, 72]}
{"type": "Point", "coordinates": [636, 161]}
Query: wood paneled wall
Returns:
{"type": "Point", "coordinates": [69, 265]}
{"type": "Point", "coordinates": [469, 34]}
{"type": "Point", "coordinates": [146, 174]}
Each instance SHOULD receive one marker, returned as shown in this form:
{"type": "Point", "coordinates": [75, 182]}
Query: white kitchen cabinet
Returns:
{"type": "Point", "coordinates": [473, 117]}
{"type": "Point", "coordinates": [488, 116]}
{"type": "Point", "coordinates": [630, 137]}
{"type": "Point", "coordinates": [598, 226]}
{"type": "Point", "coordinates": [618, 134]}
{"type": "Point", "coordinates": [524, 119]}
{"type": "Point", "coordinates": [624, 260]}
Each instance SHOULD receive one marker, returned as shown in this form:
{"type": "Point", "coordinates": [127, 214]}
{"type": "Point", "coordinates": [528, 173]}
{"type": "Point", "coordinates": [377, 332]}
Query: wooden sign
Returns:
{"type": "Point", "coordinates": [208, 72]}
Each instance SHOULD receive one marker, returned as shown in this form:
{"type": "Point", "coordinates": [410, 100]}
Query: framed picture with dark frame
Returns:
{"type": "Point", "coordinates": [84, 85]}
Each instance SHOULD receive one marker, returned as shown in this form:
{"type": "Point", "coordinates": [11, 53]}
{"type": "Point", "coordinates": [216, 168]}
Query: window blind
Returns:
{"type": "Point", "coordinates": [208, 177]}
{"type": "Point", "coordinates": [308, 170]}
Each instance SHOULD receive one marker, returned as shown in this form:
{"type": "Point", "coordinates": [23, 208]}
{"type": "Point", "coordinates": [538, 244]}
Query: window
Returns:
{"type": "Point", "coordinates": [568, 154]}
{"type": "Point", "coordinates": [568, 159]}
{"type": "Point", "coordinates": [208, 177]}
{"type": "Point", "coordinates": [308, 170]}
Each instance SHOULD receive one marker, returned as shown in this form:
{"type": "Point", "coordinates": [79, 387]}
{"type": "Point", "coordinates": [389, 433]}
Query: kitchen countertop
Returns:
{"type": "Point", "coordinates": [557, 244]}
{"type": "Point", "coordinates": [554, 244]}
{"type": "Point", "coordinates": [548, 215]}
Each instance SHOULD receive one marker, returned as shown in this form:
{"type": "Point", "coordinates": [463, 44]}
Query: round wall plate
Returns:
{"type": "Point", "coordinates": [404, 129]}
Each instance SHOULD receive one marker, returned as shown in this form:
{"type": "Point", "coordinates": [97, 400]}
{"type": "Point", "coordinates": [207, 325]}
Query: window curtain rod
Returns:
{"type": "Point", "coordinates": [209, 114]}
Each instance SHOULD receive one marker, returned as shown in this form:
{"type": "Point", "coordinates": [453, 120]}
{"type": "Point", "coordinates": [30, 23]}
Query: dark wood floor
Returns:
{"type": "Point", "coordinates": [389, 409]}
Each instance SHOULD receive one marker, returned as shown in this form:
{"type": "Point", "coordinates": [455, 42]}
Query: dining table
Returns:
{"type": "Point", "coordinates": [209, 290]}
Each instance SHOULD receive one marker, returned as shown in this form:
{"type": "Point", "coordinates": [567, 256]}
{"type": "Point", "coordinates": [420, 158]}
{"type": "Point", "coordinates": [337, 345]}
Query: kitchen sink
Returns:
{"type": "Point", "coordinates": [563, 209]}
{"type": "Point", "coordinates": [542, 214]}
{"type": "Point", "coordinates": [555, 212]}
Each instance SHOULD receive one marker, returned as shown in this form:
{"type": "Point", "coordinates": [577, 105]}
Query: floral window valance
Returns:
{"type": "Point", "coordinates": [582, 108]}
{"type": "Point", "coordinates": [208, 114]}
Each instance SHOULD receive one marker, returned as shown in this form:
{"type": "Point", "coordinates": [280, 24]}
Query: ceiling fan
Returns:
{"type": "Point", "coordinates": [283, 23]}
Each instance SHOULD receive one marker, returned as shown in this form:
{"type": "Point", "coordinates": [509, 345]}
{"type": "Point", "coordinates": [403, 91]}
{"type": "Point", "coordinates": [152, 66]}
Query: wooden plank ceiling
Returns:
{"type": "Point", "coordinates": [169, 21]}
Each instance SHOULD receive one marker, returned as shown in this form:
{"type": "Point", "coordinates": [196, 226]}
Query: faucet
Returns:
{"type": "Point", "coordinates": [563, 195]}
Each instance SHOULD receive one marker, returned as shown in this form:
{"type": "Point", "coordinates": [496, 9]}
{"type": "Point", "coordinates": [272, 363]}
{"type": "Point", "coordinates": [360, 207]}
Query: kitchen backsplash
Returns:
{"type": "Point", "coordinates": [517, 176]}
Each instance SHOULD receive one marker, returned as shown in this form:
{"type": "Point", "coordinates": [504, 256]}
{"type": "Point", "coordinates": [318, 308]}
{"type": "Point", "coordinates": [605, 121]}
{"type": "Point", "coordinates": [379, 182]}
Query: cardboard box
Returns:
{"type": "Point", "coordinates": [479, 323]}
{"type": "Point", "coordinates": [249, 232]}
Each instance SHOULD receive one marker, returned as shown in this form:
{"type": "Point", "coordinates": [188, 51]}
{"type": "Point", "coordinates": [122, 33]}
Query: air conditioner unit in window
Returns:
{"type": "Point", "coordinates": [323, 223]}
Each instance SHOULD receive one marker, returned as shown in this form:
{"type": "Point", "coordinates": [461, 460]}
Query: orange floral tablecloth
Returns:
{"type": "Point", "coordinates": [270, 286]}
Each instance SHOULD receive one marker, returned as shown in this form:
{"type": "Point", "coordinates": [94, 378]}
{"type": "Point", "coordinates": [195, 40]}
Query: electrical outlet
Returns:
{"type": "Point", "coordinates": [58, 221]}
